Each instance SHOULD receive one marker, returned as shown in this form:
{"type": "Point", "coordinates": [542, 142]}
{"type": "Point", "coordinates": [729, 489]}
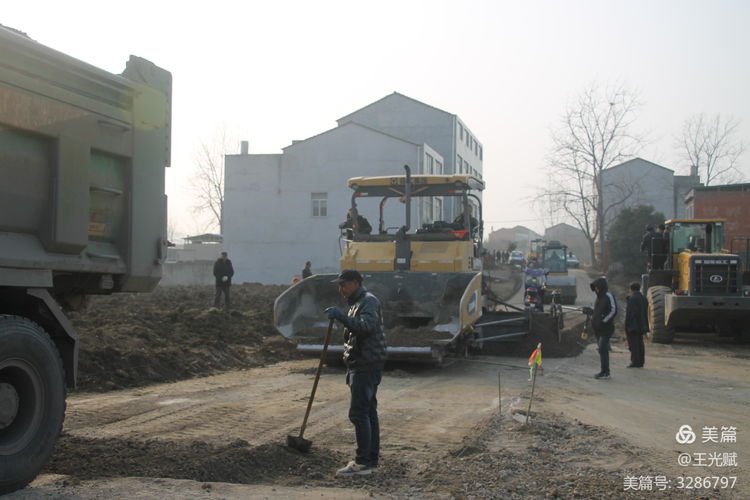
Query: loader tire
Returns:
{"type": "Point", "coordinates": [659, 331]}
{"type": "Point", "coordinates": [32, 400]}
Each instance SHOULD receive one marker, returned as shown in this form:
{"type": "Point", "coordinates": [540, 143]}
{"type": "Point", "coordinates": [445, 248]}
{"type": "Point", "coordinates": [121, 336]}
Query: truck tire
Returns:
{"type": "Point", "coordinates": [659, 331]}
{"type": "Point", "coordinates": [32, 400]}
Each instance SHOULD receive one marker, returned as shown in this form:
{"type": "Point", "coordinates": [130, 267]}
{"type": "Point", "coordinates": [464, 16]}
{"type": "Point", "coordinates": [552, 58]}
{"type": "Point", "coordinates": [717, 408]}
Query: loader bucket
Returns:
{"type": "Point", "coordinates": [421, 310]}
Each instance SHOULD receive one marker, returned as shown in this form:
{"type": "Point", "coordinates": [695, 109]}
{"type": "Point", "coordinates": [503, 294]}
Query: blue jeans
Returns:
{"type": "Point", "coordinates": [603, 344]}
{"type": "Point", "coordinates": [363, 413]}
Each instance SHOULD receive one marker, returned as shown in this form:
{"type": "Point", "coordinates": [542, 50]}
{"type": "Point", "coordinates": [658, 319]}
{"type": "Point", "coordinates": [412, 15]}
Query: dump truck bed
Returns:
{"type": "Point", "coordinates": [82, 152]}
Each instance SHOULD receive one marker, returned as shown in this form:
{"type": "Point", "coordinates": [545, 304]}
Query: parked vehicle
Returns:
{"type": "Point", "coordinates": [572, 261]}
{"type": "Point", "coordinates": [517, 258]}
{"type": "Point", "coordinates": [82, 212]}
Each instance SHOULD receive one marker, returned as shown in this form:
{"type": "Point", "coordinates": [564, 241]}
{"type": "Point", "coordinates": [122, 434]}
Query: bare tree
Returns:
{"type": "Point", "coordinates": [711, 148]}
{"type": "Point", "coordinates": [595, 133]}
{"type": "Point", "coordinates": [207, 184]}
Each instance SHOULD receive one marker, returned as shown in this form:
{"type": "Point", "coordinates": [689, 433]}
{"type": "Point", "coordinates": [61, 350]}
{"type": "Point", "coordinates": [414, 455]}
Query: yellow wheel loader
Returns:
{"type": "Point", "coordinates": [428, 279]}
{"type": "Point", "coordinates": [693, 283]}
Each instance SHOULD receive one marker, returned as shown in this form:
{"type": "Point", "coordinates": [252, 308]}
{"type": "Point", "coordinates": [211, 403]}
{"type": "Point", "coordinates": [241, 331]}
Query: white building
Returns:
{"type": "Point", "coordinates": [281, 210]}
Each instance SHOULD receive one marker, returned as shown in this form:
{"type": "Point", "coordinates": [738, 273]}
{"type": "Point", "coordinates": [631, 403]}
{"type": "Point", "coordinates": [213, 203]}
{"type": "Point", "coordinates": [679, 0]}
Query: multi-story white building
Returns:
{"type": "Point", "coordinates": [281, 210]}
{"type": "Point", "coordinates": [418, 122]}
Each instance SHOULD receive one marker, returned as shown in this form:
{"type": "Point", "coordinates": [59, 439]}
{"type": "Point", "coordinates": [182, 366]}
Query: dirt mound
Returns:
{"type": "Point", "coordinates": [129, 340]}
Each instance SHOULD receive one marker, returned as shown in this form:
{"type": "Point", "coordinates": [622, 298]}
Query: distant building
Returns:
{"type": "Point", "coordinates": [573, 238]}
{"type": "Point", "coordinates": [641, 182]}
{"type": "Point", "coordinates": [281, 210]}
{"type": "Point", "coordinates": [730, 202]}
{"type": "Point", "coordinates": [520, 235]}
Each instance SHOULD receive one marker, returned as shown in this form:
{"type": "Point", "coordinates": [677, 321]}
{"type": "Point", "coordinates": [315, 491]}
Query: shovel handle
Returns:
{"type": "Point", "coordinates": [317, 376]}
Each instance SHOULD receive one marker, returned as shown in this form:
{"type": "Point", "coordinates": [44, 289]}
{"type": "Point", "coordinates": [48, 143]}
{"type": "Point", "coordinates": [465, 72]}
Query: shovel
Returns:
{"type": "Point", "coordinates": [299, 443]}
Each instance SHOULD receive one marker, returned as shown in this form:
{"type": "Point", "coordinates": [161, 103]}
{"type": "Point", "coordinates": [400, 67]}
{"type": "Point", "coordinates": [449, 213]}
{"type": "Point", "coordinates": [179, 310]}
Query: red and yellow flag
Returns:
{"type": "Point", "coordinates": [535, 358]}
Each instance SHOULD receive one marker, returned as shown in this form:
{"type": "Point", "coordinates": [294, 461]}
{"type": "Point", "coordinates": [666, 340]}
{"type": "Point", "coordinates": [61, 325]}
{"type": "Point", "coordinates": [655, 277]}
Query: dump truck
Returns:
{"type": "Point", "coordinates": [554, 261]}
{"type": "Point", "coordinates": [693, 283]}
{"type": "Point", "coordinates": [428, 279]}
{"type": "Point", "coordinates": [82, 212]}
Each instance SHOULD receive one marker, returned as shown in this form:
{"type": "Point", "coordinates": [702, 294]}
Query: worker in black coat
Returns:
{"type": "Point", "coordinates": [636, 325]}
{"type": "Point", "coordinates": [603, 322]}
{"type": "Point", "coordinates": [223, 272]}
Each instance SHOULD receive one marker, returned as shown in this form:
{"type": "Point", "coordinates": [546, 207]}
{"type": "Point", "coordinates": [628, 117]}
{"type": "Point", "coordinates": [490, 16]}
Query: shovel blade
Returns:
{"type": "Point", "coordinates": [298, 443]}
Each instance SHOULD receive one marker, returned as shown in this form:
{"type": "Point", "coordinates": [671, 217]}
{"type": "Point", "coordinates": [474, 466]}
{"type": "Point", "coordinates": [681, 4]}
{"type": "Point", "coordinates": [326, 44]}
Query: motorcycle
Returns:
{"type": "Point", "coordinates": [533, 299]}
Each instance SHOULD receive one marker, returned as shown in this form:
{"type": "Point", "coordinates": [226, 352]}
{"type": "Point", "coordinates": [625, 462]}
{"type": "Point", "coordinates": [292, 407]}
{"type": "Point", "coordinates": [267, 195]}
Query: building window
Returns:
{"type": "Point", "coordinates": [438, 168]}
{"type": "Point", "coordinates": [480, 153]}
{"type": "Point", "coordinates": [461, 131]}
{"type": "Point", "coordinates": [429, 164]}
{"type": "Point", "coordinates": [459, 164]}
{"type": "Point", "coordinates": [468, 140]}
{"type": "Point", "coordinates": [320, 204]}
{"type": "Point", "coordinates": [467, 167]}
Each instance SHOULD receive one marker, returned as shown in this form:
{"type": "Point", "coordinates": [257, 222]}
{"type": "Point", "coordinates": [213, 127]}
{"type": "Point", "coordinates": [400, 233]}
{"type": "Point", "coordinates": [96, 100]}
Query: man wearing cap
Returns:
{"type": "Point", "coordinates": [223, 272]}
{"type": "Point", "coordinates": [364, 357]}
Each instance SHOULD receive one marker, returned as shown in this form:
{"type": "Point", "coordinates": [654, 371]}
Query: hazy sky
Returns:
{"type": "Point", "coordinates": [274, 71]}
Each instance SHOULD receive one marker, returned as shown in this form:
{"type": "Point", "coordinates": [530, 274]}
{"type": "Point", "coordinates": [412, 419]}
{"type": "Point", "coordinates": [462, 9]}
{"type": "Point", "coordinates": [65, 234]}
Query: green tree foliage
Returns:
{"type": "Point", "coordinates": [625, 237]}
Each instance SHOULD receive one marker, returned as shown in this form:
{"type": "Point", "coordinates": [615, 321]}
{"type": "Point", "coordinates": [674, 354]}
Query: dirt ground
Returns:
{"type": "Point", "coordinates": [130, 340]}
{"type": "Point", "coordinates": [448, 432]}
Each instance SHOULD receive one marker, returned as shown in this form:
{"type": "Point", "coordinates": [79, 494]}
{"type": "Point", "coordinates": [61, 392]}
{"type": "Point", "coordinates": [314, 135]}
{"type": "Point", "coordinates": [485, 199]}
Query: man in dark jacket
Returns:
{"type": "Point", "coordinates": [636, 325]}
{"type": "Point", "coordinates": [364, 356]}
{"type": "Point", "coordinates": [223, 272]}
{"type": "Point", "coordinates": [603, 322]}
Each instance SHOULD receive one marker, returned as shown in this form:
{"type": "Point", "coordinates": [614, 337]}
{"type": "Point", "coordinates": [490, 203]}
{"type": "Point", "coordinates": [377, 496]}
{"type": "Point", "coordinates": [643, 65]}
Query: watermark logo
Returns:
{"type": "Point", "coordinates": [685, 435]}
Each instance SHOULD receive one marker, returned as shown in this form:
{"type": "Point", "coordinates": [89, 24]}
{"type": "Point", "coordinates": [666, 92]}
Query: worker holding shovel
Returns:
{"type": "Point", "coordinates": [364, 356]}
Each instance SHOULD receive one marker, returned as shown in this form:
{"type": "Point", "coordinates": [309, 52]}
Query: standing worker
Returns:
{"type": "Point", "coordinates": [646, 243]}
{"type": "Point", "coordinates": [364, 357]}
{"type": "Point", "coordinates": [307, 272]}
{"type": "Point", "coordinates": [223, 272]}
{"type": "Point", "coordinates": [603, 322]}
{"type": "Point", "coordinates": [636, 325]}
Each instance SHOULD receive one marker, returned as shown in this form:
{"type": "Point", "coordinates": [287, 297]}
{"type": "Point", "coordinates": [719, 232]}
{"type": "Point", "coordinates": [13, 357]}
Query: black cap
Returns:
{"type": "Point", "coordinates": [348, 275]}
{"type": "Point", "coordinates": [224, 254]}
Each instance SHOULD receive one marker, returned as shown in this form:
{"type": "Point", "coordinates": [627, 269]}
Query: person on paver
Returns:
{"type": "Point", "coordinates": [307, 272]}
{"type": "Point", "coordinates": [460, 222]}
{"type": "Point", "coordinates": [603, 322]}
{"type": "Point", "coordinates": [362, 225]}
{"type": "Point", "coordinates": [223, 272]}
{"type": "Point", "coordinates": [636, 325]}
{"type": "Point", "coordinates": [364, 357]}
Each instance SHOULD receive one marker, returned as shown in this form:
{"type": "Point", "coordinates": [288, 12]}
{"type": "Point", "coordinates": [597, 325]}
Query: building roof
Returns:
{"type": "Point", "coordinates": [725, 187]}
{"type": "Point", "coordinates": [627, 163]}
{"type": "Point", "coordinates": [204, 238]}
{"type": "Point", "coordinates": [563, 225]}
{"type": "Point", "coordinates": [295, 143]}
{"type": "Point", "coordinates": [389, 96]}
